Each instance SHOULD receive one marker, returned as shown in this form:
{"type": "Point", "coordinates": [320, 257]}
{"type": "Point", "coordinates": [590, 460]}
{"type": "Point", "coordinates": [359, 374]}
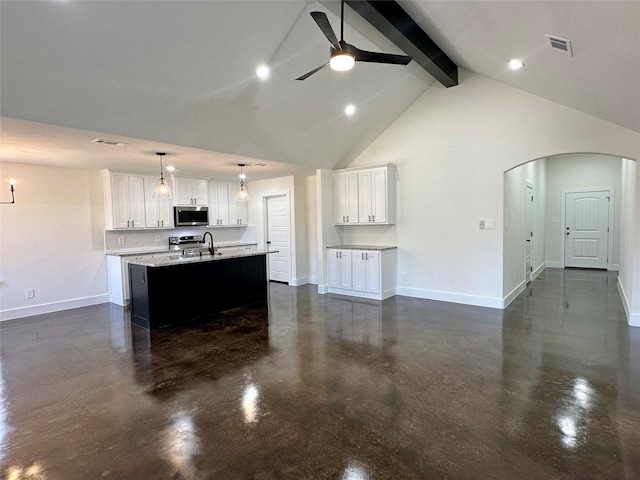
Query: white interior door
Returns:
{"type": "Point", "coordinates": [528, 232]}
{"type": "Point", "coordinates": [278, 238]}
{"type": "Point", "coordinates": [586, 241]}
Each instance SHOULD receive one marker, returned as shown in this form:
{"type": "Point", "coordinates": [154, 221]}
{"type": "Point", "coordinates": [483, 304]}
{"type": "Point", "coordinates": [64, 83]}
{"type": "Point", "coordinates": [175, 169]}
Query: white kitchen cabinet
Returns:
{"type": "Point", "coordinates": [345, 197]}
{"type": "Point", "coordinates": [365, 196]}
{"type": "Point", "coordinates": [190, 191]}
{"type": "Point", "coordinates": [340, 269]}
{"type": "Point", "coordinates": [238, 211]}
{"type": "Point", "coordinates": [158, 210]}
{"type": "Point", "coordinates": [124, 201]}
{"type": "Point", "coordinates": [224, 209]}
{"type": "Point", "coordinates": [366, 271]}
{"type": "Point", "coordinates": [218, 204]}
{"type": "Point", "coordinates": [368, 274]}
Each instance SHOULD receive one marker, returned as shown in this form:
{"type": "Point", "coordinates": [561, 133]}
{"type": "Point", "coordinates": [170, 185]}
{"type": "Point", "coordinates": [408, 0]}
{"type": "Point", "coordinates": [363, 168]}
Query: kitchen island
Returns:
{"type": "Point", "coordinates": [175, 289]}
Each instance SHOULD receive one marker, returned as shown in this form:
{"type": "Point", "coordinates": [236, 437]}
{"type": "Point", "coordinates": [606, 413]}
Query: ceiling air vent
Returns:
{"type": "Point", "coordinates": [110, 142]}
{"type": "Point", "coordinates": [561, 45]}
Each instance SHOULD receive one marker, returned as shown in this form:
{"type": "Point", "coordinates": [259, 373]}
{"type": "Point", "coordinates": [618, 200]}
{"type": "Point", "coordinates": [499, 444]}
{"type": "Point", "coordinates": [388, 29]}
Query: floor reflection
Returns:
{"type": "Point", "coordinates": [556, 395]}
{"type": "Point", "coordinates": [169, 360]}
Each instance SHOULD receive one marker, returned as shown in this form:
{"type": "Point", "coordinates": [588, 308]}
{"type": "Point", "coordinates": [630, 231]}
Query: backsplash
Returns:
{"type": "Point", "coordinates": [123, 241]}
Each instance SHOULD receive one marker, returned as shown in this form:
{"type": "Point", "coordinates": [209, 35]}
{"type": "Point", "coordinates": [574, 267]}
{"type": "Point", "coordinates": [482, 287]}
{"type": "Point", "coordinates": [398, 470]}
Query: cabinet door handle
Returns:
{"type": "Point", "coordinates": [162, 223]}
{"type": "Point", "coordinates": [362, 255]}
{"type": "Point", "coordinates": [373, 218]}
{"type": "Point", "coordinates": [366, 256]}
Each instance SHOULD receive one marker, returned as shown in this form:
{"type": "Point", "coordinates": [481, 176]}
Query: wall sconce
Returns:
{"type": "Point", "coordinates": [13, 200]}
{"type": "Point", "coordinates": [242, 195]}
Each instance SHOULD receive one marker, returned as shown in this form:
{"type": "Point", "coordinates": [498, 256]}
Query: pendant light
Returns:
{"type": "Point", "coordinates": [162, 189]}
{"type": "Point", "coordinates": [242, 195]}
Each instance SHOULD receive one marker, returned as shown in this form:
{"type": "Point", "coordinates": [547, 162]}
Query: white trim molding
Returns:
{"type": "Point", "coordinates": [554, 264]}
{"type": "Point", "coordinates": [633, 319]}
{"type": "Point", "coordinates": [322, 289]}
{"type": "Point", "coordinates": [52, 307]}
{"type": "Point", "coordinates": [451, 297]}
{"type": "Point", "coordinates": [511, 296]}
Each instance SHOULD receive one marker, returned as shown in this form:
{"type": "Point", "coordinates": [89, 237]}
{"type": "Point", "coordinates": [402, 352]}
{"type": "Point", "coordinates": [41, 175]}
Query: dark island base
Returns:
{"type": "Point", "coordinates": [163, 296]}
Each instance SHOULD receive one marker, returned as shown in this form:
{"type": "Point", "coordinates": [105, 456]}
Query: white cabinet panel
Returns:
{"type": "Point", "coordinates": [218, 204]}
{"type": "Point", "coordinates": [364, 196]}
{"type": "Point", "coordinates": [238, 211]}
{"type": "Point", "coordinates": [158, 211]}
{"type": "Point", "coordinates": [191, 191]}
{"type": "Point", "coordinates": [340, 269]}
{"type": "Point", "coordinates": [124, 201]}
{"type": "Point", "coordinates": [362, 273]}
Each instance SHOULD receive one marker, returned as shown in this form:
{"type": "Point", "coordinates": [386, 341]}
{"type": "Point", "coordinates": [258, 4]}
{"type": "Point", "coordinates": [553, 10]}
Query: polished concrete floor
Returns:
{"type": "Point", "coordinates": [327, 387]}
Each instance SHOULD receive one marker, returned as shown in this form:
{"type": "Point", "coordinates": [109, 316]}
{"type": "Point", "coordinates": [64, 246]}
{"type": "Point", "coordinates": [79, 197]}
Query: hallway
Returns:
{"type": "Point", "coordinates": [329, 387]}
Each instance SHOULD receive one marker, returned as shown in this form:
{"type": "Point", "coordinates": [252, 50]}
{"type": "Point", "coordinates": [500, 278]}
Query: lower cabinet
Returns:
{"type": "Point", "coordinates": [362, 273]}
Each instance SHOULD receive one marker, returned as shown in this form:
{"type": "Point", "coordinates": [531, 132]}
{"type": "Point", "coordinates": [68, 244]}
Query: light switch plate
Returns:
{"type": "Point", "coordinates": [490, 224]}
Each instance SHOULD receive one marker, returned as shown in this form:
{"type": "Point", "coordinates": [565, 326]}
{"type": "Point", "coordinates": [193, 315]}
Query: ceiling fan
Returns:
{"type": "Point", "coordinates": [343, 54]}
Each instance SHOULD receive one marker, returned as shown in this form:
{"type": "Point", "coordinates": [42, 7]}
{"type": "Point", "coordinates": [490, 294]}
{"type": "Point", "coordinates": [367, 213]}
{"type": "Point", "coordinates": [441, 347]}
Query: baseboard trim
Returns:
{"type": "Point", "coordinates": [322, 289]}
{"type": "Point", "coordinates": [313, 280]}
{"type": "Point", "coordinates": [633, 319]}
{"type": "Point", "coordinates": [554, 265]}
{"type": "Point", "coordinates": [13, 313]}
{"type": "Point", "coordinates": [538, 271]}
{"type": "Point", "coordinates": [475, 300]}
{"type": "Point", "coordinates": [614, 268]}
{"type": "Point", "coordinates": [297, 282]}
{"type": "Point", "coordinates": [511, 296]}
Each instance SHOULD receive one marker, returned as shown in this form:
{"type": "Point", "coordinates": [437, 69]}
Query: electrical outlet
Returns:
{"type": "Point", "coordinates": [120, 240]}
{"type": "Point", "coordinates": [514, 277]}
{"type": "Point", "coordinates": [157, 238]}
{"type": "Point", "coordinates": [29, 293]}
{"type": "Point", "coordinates": [405, 276]}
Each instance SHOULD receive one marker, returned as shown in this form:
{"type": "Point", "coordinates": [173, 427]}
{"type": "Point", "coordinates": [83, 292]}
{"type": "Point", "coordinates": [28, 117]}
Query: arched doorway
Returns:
{"type": "Point", "coordinates": [538, 232]}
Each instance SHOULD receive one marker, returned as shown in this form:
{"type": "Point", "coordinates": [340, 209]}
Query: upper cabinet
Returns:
{"type": "Point", "coordinates": [158, 211]}
{"type": "Point", "coordinates": [365, 196]}
{"type": "Point", "coordinates": [190, 191]}
{"type": "Point", "coordinates": [224, 209]}
{"type": "Point", "coordinates": [124, 201]}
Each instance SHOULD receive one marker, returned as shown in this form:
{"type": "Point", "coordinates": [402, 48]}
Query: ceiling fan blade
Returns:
{"type": "Point", "coordinates": [307, 75]}
{"type": "Point", "coordinates": [375, 57]}
{"type": "Point", "coordinates": [323, 22]}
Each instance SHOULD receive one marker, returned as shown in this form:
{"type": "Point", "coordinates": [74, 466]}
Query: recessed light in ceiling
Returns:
{"type": "Point", "coordinates": [350, 109]}
{"type": "Point", "coordinates": [515, 64]}
{"type": "Point", "coordinates": [170, 168]}
{"type": "Point", "coordinates": [110, 142]}
{"type": "Point", "coordinates": [262, 71]}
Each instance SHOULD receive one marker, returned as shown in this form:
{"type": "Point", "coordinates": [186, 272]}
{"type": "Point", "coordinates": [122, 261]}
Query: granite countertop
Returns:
{"type": "Point", "coordinates": [363, 247]}
{"type": "Point", "coordinates": [178, 259]}
{"type": "Point", "coordinates": [153, 250]}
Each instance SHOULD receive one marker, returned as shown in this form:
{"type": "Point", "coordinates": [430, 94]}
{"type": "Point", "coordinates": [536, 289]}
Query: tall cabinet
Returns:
{"type": "Point", "coordinates": [365, 196]}
{"type": "Point", "coordinates": [124, 201]}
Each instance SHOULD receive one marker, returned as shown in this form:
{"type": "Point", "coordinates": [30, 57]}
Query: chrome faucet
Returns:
{"type": "Point", "coordinates": [212, 250]}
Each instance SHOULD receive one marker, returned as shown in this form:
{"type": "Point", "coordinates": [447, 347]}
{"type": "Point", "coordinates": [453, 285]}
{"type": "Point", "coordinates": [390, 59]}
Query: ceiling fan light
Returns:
{"type": "Point", "coordinates": [341, 62]}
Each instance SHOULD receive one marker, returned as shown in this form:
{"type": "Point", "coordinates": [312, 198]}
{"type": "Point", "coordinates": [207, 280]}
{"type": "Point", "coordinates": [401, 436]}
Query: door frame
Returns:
{"type": "Point", "coordinates": [528, 276]}
{"type": "Point", "coordinates": [265, 222]}
{"type": "Point", "coordinates": [563, 219]}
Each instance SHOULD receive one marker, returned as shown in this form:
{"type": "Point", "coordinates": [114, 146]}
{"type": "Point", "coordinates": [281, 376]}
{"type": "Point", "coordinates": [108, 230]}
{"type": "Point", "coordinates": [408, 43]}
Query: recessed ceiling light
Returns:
{"type": "Point", "coordinates": [515, 64]}
{"type": "Point", "coordinates": [350, 109]}
{"type": "Point", "coordinates": [263, 72]}
{"type": "Point", "coordinates": [170, 168]}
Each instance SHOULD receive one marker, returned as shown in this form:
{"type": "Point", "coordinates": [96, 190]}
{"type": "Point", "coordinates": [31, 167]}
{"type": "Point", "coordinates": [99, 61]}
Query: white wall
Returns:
{"type": "Point", "coordinates": [328, 233]}
{"type": "Point", "coordinates": [295, 189]}
{"type": "Point", "coordinates": [579, 171]}
{"type": "Point", "coordinates": [452, 147]}
{"type": "Point", "coordinates": [627, 195]}
{"type": "Point", "coordinates": [515, 180]}
{"type": "Point", "coordinates": [51, 240]}
{"type": "Point", "coordinates": [312, 229]}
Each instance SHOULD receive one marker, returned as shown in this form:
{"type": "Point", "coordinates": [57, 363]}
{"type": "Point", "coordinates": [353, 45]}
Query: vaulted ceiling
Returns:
{"type": "Point", "coordinates": [180, 77]}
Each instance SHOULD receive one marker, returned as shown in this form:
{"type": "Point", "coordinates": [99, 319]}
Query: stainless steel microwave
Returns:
{"type": "Point", "coordinates": [190, 216]}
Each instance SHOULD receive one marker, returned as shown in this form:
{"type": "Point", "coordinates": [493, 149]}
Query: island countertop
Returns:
{"type": "Point", "coordinates": [177, 259]}
{"type": "Point", "coordinates": [136, 251]}
{"type": "Point", "coordinates": [362, 247]}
